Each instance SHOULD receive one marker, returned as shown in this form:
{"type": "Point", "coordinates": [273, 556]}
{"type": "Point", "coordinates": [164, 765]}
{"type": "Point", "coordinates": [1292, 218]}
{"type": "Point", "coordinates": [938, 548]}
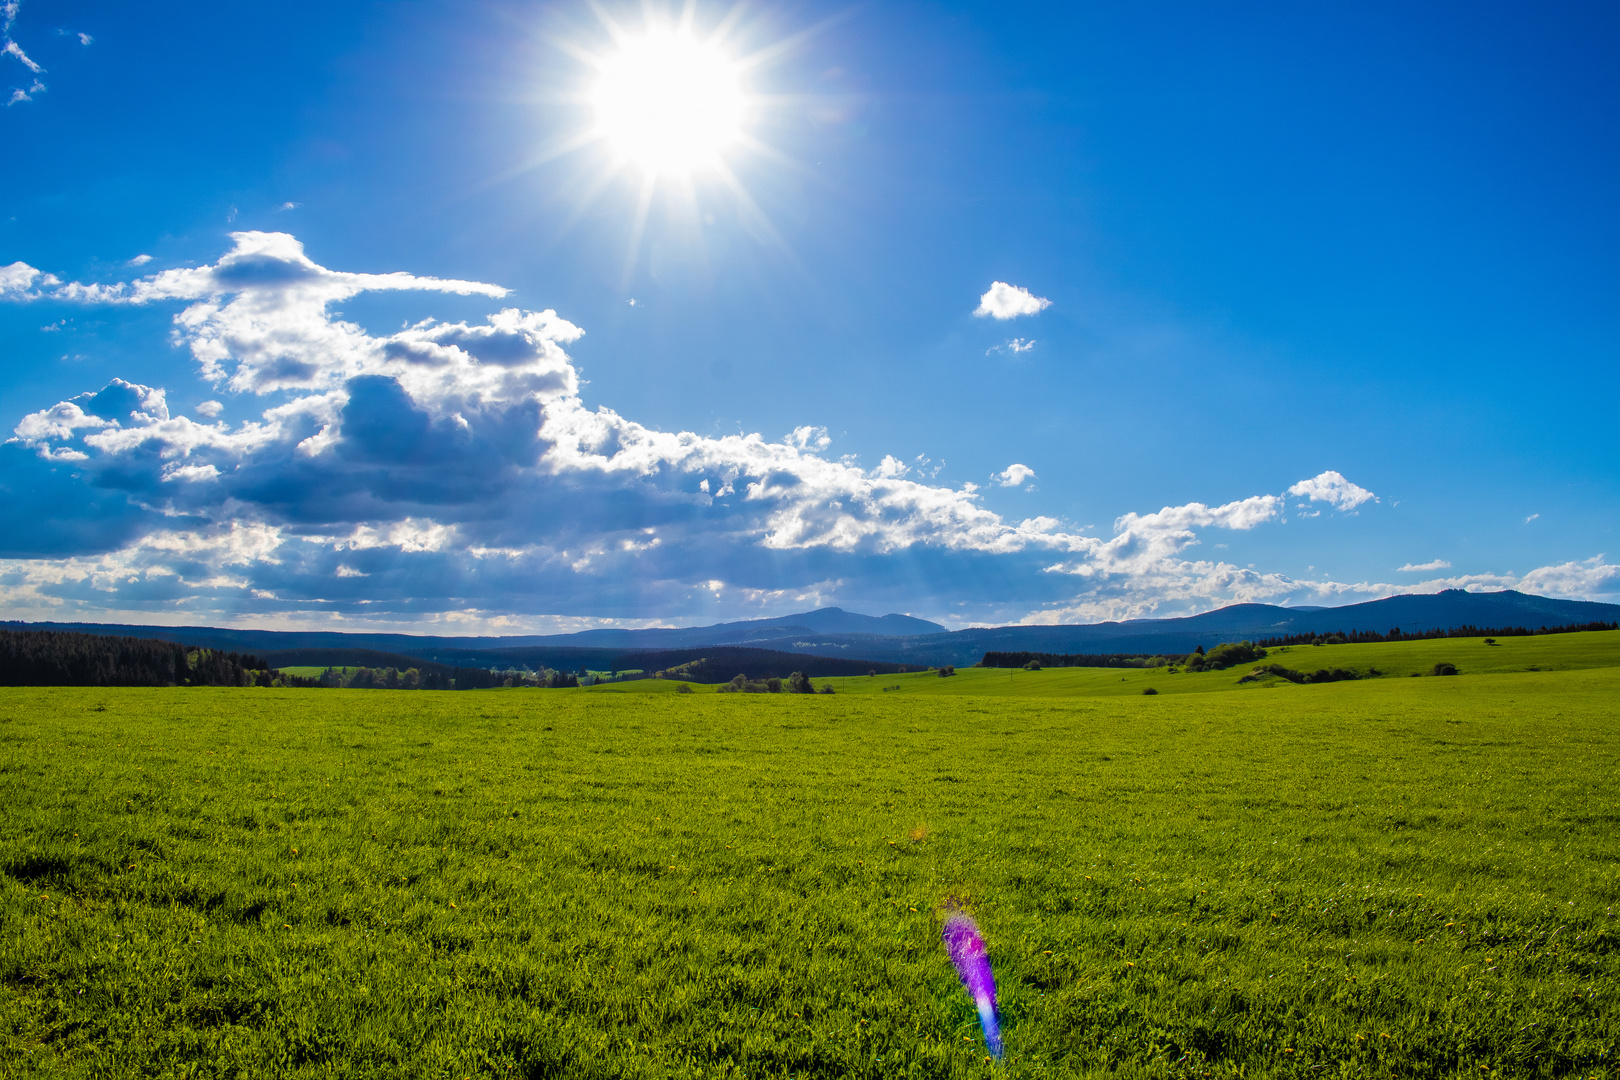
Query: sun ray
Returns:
{"type": "Point", "coordinates": [649, 185]}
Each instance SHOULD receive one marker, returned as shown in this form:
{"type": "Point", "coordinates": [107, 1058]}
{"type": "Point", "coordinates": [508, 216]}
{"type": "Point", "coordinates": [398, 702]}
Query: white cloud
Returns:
{"type": "Point", "coordinates": [11, 48]}
{"type": "Point", "coordinates": [209, 409]}
{"type": "Point", "coordinates": [140, 260]}
{"type": "Point", "coordinates": [17, 279]}
{"type": "Point", "coordinates": [808, 438]}
{"type": "Point", "coordinates": [85, 39]}
{"type": "Point", "coordinates": [1004, 301]}
{"type": "Point", "coordinates": [1332, 488]}
{"type": "Point", "coordinates": [1013, 475]}
{"type": "Point", "coordinates": [190, 473]}
{"type": "Point", "coordinates": [1589, 578]}
{"type": "Point", "coordinates": [1531, 518]}
{"type": "Point", "coordinates": [1421, 568]}
{"type": "Point", "coordinates": [891, 468]}
{"type": "Point", "coordinates": [1015, 346]}
{"type": "Point", "coordinates": [8, 47]}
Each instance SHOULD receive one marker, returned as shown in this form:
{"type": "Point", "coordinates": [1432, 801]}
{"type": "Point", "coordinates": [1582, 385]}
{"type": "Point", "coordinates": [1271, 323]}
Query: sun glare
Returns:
{"type": "Point", "coordinates": [669, 103]}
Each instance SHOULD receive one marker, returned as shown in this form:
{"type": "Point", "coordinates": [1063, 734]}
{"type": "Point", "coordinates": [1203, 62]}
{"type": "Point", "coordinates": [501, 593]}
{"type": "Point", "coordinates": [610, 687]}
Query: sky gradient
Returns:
{"type": "Point", "coordinates": [326, 315]}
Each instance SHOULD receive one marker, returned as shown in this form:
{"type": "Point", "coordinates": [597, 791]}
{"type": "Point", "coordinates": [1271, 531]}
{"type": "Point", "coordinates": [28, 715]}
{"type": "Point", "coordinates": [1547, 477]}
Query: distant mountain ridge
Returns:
{"type": "Point", "coordinates": [902, 639]}
{"type": "Point", "coordinates": [1410, 612]}
{"type": "Point", "coordinates": [819, 623]}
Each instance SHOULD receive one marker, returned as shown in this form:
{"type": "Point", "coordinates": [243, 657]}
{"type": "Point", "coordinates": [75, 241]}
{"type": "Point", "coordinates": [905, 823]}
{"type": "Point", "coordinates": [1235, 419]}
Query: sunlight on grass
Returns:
{"type": "Point", "coordinates": [1399, 877]}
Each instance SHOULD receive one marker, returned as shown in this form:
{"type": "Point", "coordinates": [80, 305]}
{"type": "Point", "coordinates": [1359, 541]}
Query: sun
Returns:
{"type": "Point", "coordinates": [668, 102]}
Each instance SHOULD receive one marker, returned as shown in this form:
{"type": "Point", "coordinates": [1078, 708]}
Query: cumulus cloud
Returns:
{"type": "Point", "coordinates": [1013, 475]}
{"type": "Point", "coordinates": [16, 280]}
{"type": "Point", "coordinates": [451, 472]}
{"type": "Point", "coordinates": [891, 468]}
{"type": "Point", "coordinates": [1332, 488]}
{"type": "Point", "coordinates": [1423, 568]}
{"type": "Point", "coordinates": [1004, 301]}
{"type": "Point", "coordinates": [1588, 578]}
{"type": "Point", "coordinates": [140, 260]}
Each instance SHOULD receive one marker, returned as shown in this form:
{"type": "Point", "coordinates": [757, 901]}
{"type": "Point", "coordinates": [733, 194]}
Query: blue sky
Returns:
{"type": "Point", "coordinates": [1332, 312]}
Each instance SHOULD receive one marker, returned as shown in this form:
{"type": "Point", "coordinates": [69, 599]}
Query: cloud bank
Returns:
{"type": "Point", "coordinates": [450, 473]}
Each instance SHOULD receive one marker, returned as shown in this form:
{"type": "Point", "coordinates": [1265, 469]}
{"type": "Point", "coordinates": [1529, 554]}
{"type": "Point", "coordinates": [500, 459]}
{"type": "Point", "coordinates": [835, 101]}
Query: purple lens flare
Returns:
{"type": "Point", "coordinates": [972, 962]}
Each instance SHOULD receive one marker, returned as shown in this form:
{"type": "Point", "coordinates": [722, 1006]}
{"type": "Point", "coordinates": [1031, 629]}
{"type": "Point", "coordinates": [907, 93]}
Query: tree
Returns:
{"type": "Point", "coordinates": [799, 683]}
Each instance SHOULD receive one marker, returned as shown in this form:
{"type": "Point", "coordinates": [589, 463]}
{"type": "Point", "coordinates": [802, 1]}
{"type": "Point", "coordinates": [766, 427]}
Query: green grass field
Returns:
{"type": "Point", "coordinates": [1385, 878]}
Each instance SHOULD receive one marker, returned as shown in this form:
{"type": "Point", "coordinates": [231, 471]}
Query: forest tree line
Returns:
{"type": "Point", "coordinates": [63, 658]}
{"type": "Point", "coordinates": [69, 658]}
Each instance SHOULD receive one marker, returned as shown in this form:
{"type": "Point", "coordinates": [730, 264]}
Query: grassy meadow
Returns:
{"type": "Point", "coordinates": [1384, 878]}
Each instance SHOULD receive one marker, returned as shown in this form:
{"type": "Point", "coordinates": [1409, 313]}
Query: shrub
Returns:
{"type": "Point", "coordinates": [1149, 690]}
{"type": "Point", "coordinates": [1443, 668]}
{"type": "Point", "coordinates": [773, 686]}
{"type": "Point", "coordinates": [1225, 655]}
{"type": "Point", "coordinates": [947, 671]}
{"type": "Point", "coordinates": [684, 688]}
{"type": "Point", "coordinates": [1322, 675]}
{"type": "Point", "coordinates": [1033, 665]}
{"type": "Point", "coordinates": [799, 683]}
{"type": "Point", "coordinates": [826, 688]}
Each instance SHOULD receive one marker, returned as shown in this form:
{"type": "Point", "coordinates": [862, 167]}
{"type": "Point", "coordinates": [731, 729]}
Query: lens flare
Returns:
{"type": "Point", "coordinates": [967, 951]}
